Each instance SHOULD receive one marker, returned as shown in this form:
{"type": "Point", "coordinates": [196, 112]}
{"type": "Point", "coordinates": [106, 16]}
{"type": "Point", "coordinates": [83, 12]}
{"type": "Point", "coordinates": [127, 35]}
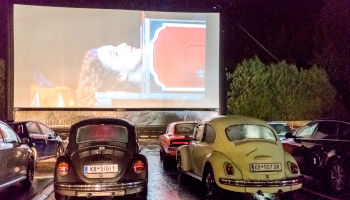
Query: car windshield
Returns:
{"type": "Point", "coordinates": [281, 128]}
{"type": "Point", "coordinates": [92, 133]}
{"type": "Point", "coordinates": [185, 129]}
{"type": "Point", "coordinates": [249, 131]}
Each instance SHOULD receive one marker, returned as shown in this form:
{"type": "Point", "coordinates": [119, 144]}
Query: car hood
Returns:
{"type": "Point", "coordinates": [245, 153]}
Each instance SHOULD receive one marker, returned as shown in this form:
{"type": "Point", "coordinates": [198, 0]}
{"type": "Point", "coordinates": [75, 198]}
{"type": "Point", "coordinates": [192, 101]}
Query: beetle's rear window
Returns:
{"type": "Point", "coordinates": [93, 133]}
{"type": "Point", "coordinates": [185, 129]}
{"type": "Point", "coordinates": [249, 131]}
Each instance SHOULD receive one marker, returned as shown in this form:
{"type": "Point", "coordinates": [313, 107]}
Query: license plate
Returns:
{"type": "Point", "coordinates": [93, 169]}
{"type": "Point", "coordinates": [265, 167]}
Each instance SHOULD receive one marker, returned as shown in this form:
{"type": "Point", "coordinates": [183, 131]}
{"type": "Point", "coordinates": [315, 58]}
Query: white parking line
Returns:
{"type": "Point", "coordinates": [319, 194]}
{"type": "Point", "coordinates": [45, 193]}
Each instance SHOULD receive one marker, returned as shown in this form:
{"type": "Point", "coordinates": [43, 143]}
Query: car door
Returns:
{"type": "Point", "coordinates": [52, 142]}
{"type": "Point", "coordinates": [38, 140]}
{"type": "Point", "coordinates": [297, 146]}
{"type": "Point", "coordinates": [193, 147]}
{"type": "Point", "coordinates": [343, 147]}
{"type": "Point", "coordinates": [203, 148]}
{"type": "Point", "coordinates": [4, 152]}
{"type": "Point", "coordinates": [15, 162]}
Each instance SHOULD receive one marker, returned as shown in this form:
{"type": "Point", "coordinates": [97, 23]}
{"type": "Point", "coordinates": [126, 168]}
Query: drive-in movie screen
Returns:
{"type": "Point", "coordinates": [109, 58]}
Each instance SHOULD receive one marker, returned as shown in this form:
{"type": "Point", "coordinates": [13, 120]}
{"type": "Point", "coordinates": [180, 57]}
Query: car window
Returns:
{"type": "Point", "coordinates": [17, 128]}
{"type": "Point", "coordinates": [326, 130]}
{"type": "Point", "coordinates": [209, 134]}
{"type": "Point", "coordinates": [307, 130]}
{"type": "Point", "coordinates": [46, 130]}
{"type": "Point", "coordinates": [281, 129]}
{"type": "Point", "coordinates": [185, 129]}
{"type": "Point", "coordinates": [9, 134]}
{"type": "Point", "coordinates": [249, 131]}
{"type": "Point", "coordinates": [93, 133]}
{"type": "Point", "coordinates": [33, 128]}
{"type": "Point", "coordinates": [344, 131]}
{"type": "Point", "coordinates": [199, 132]}
{"type": "Point", "coordinates": [1, 137]}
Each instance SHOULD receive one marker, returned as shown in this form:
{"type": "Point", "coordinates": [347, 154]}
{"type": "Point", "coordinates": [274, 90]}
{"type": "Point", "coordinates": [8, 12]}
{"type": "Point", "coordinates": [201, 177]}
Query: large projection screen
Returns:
{"type": "Point", "coordinates": [109, 58]}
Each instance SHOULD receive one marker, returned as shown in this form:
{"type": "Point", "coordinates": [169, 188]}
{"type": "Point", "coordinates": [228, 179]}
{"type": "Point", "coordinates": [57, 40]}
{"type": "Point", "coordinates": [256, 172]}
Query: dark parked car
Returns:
{"type": "Point", "coordinates": [102, 159]}
{"type": "Point", "coordinates": [16, 158]}
{"type": "Point", "coordinates": [281, 128]}
{"type": "Point", "coordinates": [322, 149]}
{"type": "Point", "coordinates": [44, 142]}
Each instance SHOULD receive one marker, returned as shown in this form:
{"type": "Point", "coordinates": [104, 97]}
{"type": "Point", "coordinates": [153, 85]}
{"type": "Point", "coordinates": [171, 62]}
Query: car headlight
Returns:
{"type": "Point", "coordinates": [229, 169]}
{"type": "Point", "coordinates": [293, 168]}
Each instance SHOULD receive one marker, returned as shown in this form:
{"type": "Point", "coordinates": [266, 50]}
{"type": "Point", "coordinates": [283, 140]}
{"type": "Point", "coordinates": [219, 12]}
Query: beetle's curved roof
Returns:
{"type": "Point", "coordinates": [229, 120]}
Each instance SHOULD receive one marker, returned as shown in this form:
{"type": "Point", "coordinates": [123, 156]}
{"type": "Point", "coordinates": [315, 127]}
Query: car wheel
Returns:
{"type": "Point", "coordinates": [166, 161]}
{"type": "Point", "coordinates": [59, 196]}
{"type": "Point", "coordinates": [142, 195]}
{"type": "Point", "coordinates": [212, 191]}
{"type": "Point", "coordinates": [59, 151]}
{"type": "Point", "coordinates": [180, 175]}
{"type": "Point", "coordinates": [337, 177]}
{"type": "Point", "coordinates": [160, 155]}
{"type": "Point", "coordinates": [30, 173]}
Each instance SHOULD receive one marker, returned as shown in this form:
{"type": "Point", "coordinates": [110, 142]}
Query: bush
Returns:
{"type": "Point", "coordinates": [278, 91]}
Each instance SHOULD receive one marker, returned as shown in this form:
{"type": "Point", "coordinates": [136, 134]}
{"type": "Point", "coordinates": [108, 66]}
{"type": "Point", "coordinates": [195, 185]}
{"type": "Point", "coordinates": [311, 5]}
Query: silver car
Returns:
{"type": "Point", "coordinates": [17, 160]}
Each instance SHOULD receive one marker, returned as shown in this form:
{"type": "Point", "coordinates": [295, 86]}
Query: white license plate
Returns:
{"type": "Point", "coordinates": [265, 167]}
{"type": "Point", "coordinates": [93, 169]}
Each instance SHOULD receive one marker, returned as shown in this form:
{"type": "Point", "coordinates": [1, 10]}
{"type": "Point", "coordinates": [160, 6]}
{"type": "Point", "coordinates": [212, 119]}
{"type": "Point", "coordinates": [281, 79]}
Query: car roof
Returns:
{"type": "Point", "coordinates": [183, 122]}
{"type": "Point", "coordinates": [229, 120]}
{"type": "Point", "coordinates": [333, 119]}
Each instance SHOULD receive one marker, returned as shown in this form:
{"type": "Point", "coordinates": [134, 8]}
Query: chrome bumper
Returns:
{"type": "Point", "coordinates": [278, 183]}
{"type": "Point", "coordinates": [99, 189]}
{"type": "Point", "coordinates": [99, 186]}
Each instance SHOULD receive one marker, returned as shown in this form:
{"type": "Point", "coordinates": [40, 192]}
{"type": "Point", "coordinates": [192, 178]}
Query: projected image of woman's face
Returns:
{"type": "Point", "coordinates": [122, 58]}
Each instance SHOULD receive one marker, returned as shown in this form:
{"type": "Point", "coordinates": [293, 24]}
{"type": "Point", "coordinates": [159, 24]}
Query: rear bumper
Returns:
{"type": "Point", "coordinates": [271, 183]}
{"type": "Point", "coordinates": [270, 186]}
{"type": "Point", "coordinates": [101, 189]}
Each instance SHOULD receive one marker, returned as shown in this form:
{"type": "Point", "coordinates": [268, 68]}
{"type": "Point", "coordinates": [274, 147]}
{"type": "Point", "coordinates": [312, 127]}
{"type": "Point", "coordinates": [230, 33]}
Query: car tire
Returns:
{"type": "Point", "coordinates": [30, 173]}
{"type": "Point", "coordinates": [142, 195]}
{"type": "Point", "coordinates": [337, 176]}
{"type": "Point", "coordinates": [180, 174]}
{"type": "Point", "coordinates": [212, 190]}
{"type": "Point", "coordinates": [59, 196]}
{"type": "Point", "coordinates": [166, 160]}
{"type": "Point", "coordinates": [60, 151]}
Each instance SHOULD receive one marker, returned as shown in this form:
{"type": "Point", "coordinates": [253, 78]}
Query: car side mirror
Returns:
{"type": "Point", "coordinates": [289, 135]}
{"type": "Point", "coordinates": [25, 141]}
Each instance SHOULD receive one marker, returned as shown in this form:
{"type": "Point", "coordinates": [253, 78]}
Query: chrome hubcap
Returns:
{"type": "Point", "coordinates": [337, 177]}
{"type": "Point", "coordinates": [209, 183]}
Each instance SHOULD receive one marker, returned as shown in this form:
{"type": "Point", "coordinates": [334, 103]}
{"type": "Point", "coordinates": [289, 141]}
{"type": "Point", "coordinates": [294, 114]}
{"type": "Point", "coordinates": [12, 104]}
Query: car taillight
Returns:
{"type": "Point", "coordinates": [229, 169]}
{"type": "Point", "coordinates": [293, 168]}
{"type": "Point", "coordinates": [139, 167]}
{"type": "Point", "coordinates": [63, 168]}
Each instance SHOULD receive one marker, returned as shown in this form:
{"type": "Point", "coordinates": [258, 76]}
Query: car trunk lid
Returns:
{"type": "Point", "coordinates": [101, 163]}
{"type": "Point", "coordinates": [258, 159]}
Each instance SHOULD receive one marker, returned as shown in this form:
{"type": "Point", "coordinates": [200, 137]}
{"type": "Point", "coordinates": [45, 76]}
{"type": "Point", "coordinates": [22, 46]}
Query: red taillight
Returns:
{"type": "Point", "coordinates": [229, 169]}
{"type": "Point", "coordinates": [139, 167]}
{"type": "Point", "coordinates": [63, 168]}
{"type": "Point", "coordinates": [293, 168]}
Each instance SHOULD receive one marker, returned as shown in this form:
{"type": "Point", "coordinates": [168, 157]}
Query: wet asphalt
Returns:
{"type": "Point", "coordinates": [163, 184]}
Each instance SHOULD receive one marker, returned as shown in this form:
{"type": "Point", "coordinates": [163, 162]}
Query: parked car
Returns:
{"type": "Point", "coordinates": [281, 128]}
{"type": "Point", "coordinates": [17, 159]}
{"type": "Point", "coordinates": [44, 142]}
{"type": "Point", "coordinates": [321, 148]}
{"type": "Point", "coordinates": [102, 159]}
{"type": "Point", "coordinates": [240, 154]}
{"type": "Point", "coordinates": [177, 134]}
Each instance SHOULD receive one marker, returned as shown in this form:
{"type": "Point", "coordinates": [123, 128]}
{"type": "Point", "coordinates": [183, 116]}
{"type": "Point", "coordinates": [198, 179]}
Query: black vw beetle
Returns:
{"type": "Point", "coordinates": [102, 159]}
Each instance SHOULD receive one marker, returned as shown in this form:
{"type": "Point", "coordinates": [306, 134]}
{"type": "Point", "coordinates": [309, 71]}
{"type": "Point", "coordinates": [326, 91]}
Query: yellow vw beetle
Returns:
{"type": "Point", "coordinates": [240, 154]}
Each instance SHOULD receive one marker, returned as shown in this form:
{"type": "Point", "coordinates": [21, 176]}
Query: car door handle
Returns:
{"type": "Point", "coordinates": [196, 147]}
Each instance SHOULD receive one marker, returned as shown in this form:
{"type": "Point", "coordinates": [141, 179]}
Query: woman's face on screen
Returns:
{"type": "Point", "coordinates": [122, 58]}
